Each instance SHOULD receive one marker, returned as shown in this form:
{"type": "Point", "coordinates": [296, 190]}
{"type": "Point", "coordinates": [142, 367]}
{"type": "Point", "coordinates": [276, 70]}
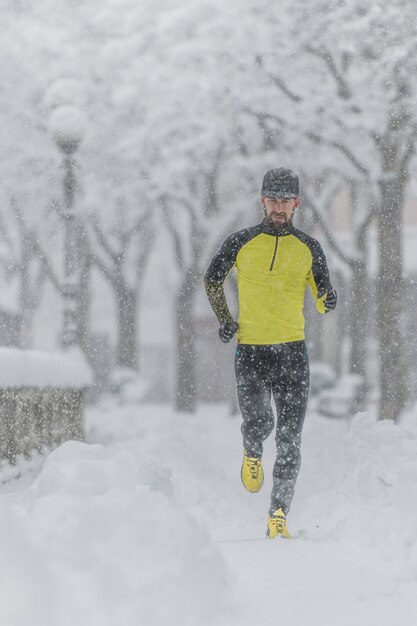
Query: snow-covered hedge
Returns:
{"type": "Point", "coordinates": [41, 400]}
{"type": "Point", "coordinates": [31, 368]}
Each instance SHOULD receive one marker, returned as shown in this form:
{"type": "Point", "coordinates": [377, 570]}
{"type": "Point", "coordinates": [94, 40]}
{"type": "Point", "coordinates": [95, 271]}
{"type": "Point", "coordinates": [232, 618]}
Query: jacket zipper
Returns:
{"type": "Point", "coordinates": [274, 255]}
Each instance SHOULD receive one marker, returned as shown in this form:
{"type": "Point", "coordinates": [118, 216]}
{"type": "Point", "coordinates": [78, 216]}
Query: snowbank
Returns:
{"type": "Point", "coordinates": [31, 368]}
{"type": "Point", "coordinates": [362, 491]}
{"type": "Point", "coordinates": [102, 549]}
{"type": "Point", "coordinates": [380, 484]}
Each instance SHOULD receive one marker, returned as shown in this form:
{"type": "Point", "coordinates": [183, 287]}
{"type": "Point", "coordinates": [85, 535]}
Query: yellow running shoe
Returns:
{"type": "Point", "coordinates": [252, 473]}
{"type": "Point", "coordinates": [277, 525]}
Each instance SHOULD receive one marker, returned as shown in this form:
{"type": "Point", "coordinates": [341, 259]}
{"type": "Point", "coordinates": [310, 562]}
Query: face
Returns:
{"type": "Point", "coordinates": [280, 210]}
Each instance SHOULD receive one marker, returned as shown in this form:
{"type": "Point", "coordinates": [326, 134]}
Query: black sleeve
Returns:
{"type": "Point", "coordinates": [319, 269]}
{"type": "Point", "coordinates": [220, 266]}
{"type": "Point", "coordinates": [318, 277]}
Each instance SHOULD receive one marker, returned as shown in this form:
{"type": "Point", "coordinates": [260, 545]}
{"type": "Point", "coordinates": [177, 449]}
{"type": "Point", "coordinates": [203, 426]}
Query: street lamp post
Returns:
{"type": "Point", "coordinates": [67, 128]}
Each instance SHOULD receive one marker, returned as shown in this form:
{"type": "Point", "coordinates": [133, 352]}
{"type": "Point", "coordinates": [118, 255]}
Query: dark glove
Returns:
{"type": "Point", "coordinates": [330, 300]}
{"type": "Point", "coordinates": [227, 331]}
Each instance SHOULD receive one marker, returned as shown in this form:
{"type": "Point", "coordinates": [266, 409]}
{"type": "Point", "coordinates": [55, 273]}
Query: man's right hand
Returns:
{"type": "Point", "coordinates": [227, 331]}
{"type": "Point", "coordinates": [330, 300]}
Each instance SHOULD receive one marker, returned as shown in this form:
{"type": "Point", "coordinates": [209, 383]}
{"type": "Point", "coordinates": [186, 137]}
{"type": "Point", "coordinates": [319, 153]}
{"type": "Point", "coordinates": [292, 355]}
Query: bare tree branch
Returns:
{"type": "Point", "coordinates": [262, 115]}
{"type": "Point", "coordinates": [369, 218]}
{"type": "Point", "coordinates": [190, 208]}
{"type": "Point", "coordinates": [408, 154]}
{"type": "Point", "coordinates": [104, 269]}
{"type": "Point", "coordinates": [326, 231]}
{"type": "Point", "coordinates": [319, 139]}
{"type": "Point", "coordinates": [147, 242]}
{"type": "Point", "coordinates": [6, 230]}
{"type": "Point", "coordinates": [278, 82]}
{"type": "Point", "coordinates": [179, 256]}
{"type": "Point", "coordinates": [142, 222]}
{"type": "Point", "coordinates": [316, 138]}
{"type": "Point", "coordinates": [323, 53]}
{"type": "Point", "coordinates": [212, 201]}
{"type": "Point", "coordinates": [102, 240]}
{"type": "Point", "coordinates": [47, 266]}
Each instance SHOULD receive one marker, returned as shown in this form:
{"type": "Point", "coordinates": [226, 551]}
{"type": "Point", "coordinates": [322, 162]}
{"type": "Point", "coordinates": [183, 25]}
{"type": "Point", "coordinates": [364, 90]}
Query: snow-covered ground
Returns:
{"type": "Point", "coordinates": [148, 524]}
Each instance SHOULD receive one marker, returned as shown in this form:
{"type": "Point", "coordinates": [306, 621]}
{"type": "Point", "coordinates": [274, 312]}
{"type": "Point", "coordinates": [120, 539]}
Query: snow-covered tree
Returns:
{"type": "Point", "coordinates": [179, 94]}
{"type": "Point", "coordinates": [121, 250]}
{"type": "Point", "coordinates": [21, 265]}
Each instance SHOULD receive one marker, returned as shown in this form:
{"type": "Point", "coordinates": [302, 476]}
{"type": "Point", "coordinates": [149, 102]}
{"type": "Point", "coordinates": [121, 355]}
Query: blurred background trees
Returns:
{"type": "Point", "coordinates": [184, 106]}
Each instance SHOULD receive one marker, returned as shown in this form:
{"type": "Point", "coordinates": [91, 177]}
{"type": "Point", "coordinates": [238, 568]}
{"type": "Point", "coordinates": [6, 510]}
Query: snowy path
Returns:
{"type": "Point", "coordinates": [312, 583]}
{"type": "Point", "coordinates": [192, 548]}
{"type": "Point", "coordinates": [319, 578]}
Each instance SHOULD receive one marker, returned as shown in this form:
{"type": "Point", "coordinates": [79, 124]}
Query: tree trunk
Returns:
{"type": "Point", "coordinates": [26, 304]}
{"type": "Point", "coordinates": [358, 324]}
{"type": "Point", "coordinates": [127, 349]}
{"type": "Point", "coordinates": [186, 384]}
{"type": "Point", "coordinates": [390, 297]}
{"type": "Point", "coordinates": [360, 305]}
{"type": "Point", "coordinates": [85, 262]}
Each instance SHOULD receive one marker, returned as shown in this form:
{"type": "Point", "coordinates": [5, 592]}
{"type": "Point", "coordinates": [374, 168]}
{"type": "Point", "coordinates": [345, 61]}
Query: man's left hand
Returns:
{"type": "Point", "coordinates": [330, 300]}
{"type": "Point", "coordinates": [227, 331]}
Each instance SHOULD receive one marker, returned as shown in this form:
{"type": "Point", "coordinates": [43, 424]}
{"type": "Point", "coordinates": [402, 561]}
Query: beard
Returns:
{"type": "Point", "coordinates": [283, 223]}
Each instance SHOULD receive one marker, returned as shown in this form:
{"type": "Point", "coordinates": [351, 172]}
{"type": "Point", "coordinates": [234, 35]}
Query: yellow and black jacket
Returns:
{"type": "Point", "coordinates": [273, 270]}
